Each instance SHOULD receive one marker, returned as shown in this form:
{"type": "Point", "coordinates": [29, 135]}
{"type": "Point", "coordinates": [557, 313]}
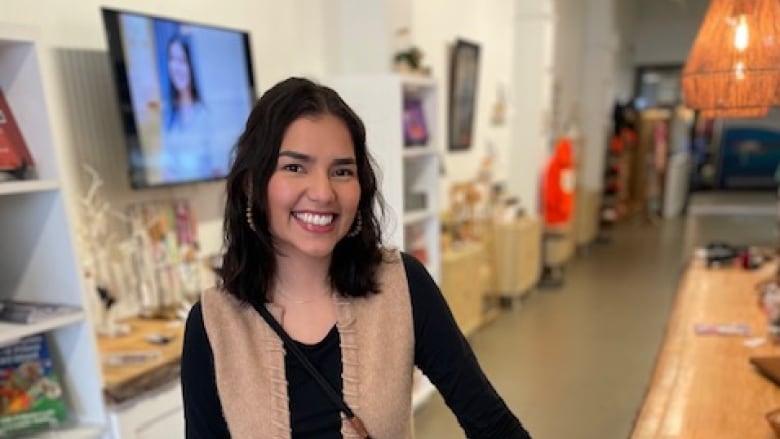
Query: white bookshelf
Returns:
{"type": "Point", "coordinates": [38, 262]}
{"type": "Point", "coordinates": [378, 100]}
{"type": "Point", "coordinates": [405, 171]}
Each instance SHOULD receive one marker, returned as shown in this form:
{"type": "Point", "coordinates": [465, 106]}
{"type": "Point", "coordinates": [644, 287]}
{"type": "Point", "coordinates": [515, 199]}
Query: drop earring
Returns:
{"type": "Point", "coordinates": [249, 217]}
{"type": "Point", "coordinates": [358, 227]}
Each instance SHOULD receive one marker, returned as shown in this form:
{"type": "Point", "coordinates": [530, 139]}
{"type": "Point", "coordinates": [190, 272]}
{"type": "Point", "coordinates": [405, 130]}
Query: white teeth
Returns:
{"type": "Point", "coordinates": [317, 220]}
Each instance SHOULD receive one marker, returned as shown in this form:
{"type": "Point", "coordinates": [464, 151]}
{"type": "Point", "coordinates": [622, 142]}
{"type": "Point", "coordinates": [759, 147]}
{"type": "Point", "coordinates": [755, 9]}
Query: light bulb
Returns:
{"type": "Point", "coordinates": [742, 34]}
{"type": "Point", "coordinates": [739, 70]}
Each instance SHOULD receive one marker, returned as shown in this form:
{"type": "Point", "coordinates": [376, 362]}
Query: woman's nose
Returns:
{"type": "Point", "coordinates": [321, 187]}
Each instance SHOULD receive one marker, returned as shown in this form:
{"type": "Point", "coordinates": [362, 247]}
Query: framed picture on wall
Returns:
{"type": "Point", "coordinates": [464, 70]}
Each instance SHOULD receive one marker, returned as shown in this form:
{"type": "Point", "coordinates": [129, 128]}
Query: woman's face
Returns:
{"type": "Point", "coordinates": [314, 192]}
{"type": "Point", "coordinates": [179, 66]}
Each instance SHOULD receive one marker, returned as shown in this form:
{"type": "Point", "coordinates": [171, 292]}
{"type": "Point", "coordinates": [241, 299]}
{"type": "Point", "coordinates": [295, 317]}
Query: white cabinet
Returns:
{"type": "Point", "coordinates": [409, 175]}
{"type": "Point", "coordinates": [38, 261]}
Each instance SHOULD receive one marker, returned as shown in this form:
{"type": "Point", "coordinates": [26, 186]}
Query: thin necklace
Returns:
{"type": "Point", "coordinates": [301, 302]}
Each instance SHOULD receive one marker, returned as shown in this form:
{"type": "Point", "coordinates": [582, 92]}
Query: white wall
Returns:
{"type": "Point", "coordinates": [627, 17]}
{"type": "Point", "coordinates": [568, 64]}
{"type": "Point", "coordinates": [81, 98]}
{"type": "Point", "coordinates": [435, 25]}
{"type": "Point", "coordinates": [666, 29]}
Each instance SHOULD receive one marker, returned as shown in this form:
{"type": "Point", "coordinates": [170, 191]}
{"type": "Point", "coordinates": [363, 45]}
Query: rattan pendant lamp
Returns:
{"type": "Point", "coordinates": [733, 69]}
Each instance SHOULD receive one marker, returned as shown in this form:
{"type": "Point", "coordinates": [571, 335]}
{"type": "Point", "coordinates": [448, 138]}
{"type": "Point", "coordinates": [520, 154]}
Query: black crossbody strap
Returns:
{"type": "Point", "coordinates": [290, 345]}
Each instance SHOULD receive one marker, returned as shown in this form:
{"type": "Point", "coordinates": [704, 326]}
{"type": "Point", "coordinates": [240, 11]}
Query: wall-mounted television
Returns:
{"type": "Point", "coordinates": [185, 91]}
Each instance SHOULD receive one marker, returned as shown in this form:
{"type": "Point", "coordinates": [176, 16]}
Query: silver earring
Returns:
{"type": "Point", "coordinates": [358, 227]}
{"type": "Point", "coordinates": [249, 217]}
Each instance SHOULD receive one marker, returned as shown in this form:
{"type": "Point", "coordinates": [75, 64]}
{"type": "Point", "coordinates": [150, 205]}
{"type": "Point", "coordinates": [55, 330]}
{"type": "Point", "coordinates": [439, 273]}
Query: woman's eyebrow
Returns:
{"type": "Point", "coordinates": [296, 155]}
{"type": "Point", "coordinates": [344, 161]}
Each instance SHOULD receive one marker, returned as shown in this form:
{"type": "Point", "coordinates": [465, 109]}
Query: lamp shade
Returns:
{"type": "Point", "coordinates": [735, 60]}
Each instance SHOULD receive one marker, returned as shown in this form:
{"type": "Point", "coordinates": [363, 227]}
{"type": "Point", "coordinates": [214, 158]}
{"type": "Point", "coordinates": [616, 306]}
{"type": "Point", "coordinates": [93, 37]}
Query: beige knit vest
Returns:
{"type": "Point", "coordinates": [377, 351]}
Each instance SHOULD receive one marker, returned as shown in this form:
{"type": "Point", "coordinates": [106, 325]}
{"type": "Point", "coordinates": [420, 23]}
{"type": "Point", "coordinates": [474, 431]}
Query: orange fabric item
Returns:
{"type": "Point", "coordinates": [558, 185]}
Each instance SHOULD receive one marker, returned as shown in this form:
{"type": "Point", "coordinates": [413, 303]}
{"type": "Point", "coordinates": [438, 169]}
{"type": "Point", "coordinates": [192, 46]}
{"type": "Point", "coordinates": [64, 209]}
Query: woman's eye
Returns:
{"type": "Point", "coordinates": [292, 167]}
{"type": "Point", "coordinates": [345, 172]}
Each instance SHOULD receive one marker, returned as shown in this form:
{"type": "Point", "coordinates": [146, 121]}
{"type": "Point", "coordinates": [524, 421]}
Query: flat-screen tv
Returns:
{"type": "Point", "coordinates": [185, 91]}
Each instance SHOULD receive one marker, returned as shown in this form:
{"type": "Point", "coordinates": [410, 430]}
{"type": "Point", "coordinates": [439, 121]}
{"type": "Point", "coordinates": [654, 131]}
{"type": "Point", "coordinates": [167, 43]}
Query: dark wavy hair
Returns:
{"type": "Point", "coordinates": [249, 262]}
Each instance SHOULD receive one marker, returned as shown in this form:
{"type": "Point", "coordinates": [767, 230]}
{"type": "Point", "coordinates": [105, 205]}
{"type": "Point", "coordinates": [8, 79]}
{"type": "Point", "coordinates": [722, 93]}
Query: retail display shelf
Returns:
{"type": "Point", "coordinates": [76, 432]}
{"type": "Point", "coordinates": [416, 216]}
{"type": "Point", "coordinates": [418, 151]}
{"type": "Point", "coordinates": [422, 392]}
{"type": "Point", "coordinates": [10, 332]}
{"type": "Point", "coordinates": [21, 187]}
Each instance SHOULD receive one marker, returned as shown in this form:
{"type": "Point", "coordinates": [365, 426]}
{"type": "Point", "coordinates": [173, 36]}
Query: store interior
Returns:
{"type": "Point", "coordinates": [601, 221]}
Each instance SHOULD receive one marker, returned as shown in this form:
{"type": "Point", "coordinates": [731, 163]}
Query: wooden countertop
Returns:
{"type": "Point", "coordinates": [703, 385]}
{"type": "Point", "coordinates": [121, 382]}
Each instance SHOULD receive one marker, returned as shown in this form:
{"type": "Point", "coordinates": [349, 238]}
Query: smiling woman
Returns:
{"type": "Point", "coordinates": [304, 250]}
{"type": "Point", "coordinates": [314, 192]}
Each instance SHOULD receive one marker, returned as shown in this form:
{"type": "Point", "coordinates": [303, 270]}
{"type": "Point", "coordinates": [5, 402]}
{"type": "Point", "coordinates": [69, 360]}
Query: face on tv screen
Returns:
{"type": "Point", "coordinates": [185, 91]}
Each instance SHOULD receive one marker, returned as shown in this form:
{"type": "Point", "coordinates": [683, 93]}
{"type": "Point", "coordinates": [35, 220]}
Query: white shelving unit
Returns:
{"type": "Point", "coordinates": [404, 170]}
{"type": "Point", "coordinates": [409, 175]}
{"type": "Point", "coordinates": [38, 262]}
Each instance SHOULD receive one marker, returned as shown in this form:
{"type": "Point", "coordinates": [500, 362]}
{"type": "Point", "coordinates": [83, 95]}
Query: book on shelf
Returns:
{"type": "Point", "coordinates": [15, 159]}
{"type": "Point", "coordinates": [31, 395]}
{"type": "Point", "coordinates": [31, 312]}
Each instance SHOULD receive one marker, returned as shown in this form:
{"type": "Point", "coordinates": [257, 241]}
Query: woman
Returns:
{"type": "Point", "coordinates": [303, 241]}
{"type": "Point", "coordinates": [186, 152]}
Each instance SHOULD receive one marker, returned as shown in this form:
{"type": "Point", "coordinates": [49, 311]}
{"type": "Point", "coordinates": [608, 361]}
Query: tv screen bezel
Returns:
{"type": "Point", "coordinates": [116, 53]}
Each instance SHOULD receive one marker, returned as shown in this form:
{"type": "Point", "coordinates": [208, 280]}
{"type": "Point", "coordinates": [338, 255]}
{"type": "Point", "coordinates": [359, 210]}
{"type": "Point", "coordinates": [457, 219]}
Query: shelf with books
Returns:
{"type": "Point", "coordinates": [27, 186]}
{"type": "Point", "coordinates": [39, 263]}
{"type": "Point", "coordinates": [10, 332]}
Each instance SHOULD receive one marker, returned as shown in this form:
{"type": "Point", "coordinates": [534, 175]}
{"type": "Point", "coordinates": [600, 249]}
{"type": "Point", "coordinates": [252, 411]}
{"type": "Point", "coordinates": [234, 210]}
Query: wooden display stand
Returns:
{"type": "Point", "coordinates": [128, 380]}
{"type": "Point", "coordinates": [514, 251]}
{"type": "Point", "coordinates": [464, 282]}
{"type": "Point", "coordinates": [145, 397]}
{"type": "Point", "coordinates": [703, 385]}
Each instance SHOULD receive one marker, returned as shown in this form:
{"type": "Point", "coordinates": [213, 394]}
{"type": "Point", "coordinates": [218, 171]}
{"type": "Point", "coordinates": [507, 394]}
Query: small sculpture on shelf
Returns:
{"type": "Point", "coordinates": [105, 271]}
{"type": "Point", "coordinates": [408, 58]}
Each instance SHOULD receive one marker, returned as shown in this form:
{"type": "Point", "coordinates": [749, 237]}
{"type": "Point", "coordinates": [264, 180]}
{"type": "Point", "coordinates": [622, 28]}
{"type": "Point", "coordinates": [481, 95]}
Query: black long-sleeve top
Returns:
{"type": "Point", "coordinates": [440, 351]}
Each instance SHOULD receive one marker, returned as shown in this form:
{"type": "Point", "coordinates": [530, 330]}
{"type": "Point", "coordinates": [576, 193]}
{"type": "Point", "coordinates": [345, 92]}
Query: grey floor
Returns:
{"type": "Point", "coordinates": [575, 362]}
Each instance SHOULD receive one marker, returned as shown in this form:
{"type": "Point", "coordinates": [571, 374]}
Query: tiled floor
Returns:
{"type": "Point", "coordinates": [575, 362]}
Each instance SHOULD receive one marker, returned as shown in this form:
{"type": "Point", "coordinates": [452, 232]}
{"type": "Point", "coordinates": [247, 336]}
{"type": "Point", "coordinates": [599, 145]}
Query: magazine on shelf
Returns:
{"type": "Point", "coordinates": [15, 158]}
{"type": "Point", "coordinates": [31, 396]}
{"type": "Point", "coordinates": [32, 312]}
